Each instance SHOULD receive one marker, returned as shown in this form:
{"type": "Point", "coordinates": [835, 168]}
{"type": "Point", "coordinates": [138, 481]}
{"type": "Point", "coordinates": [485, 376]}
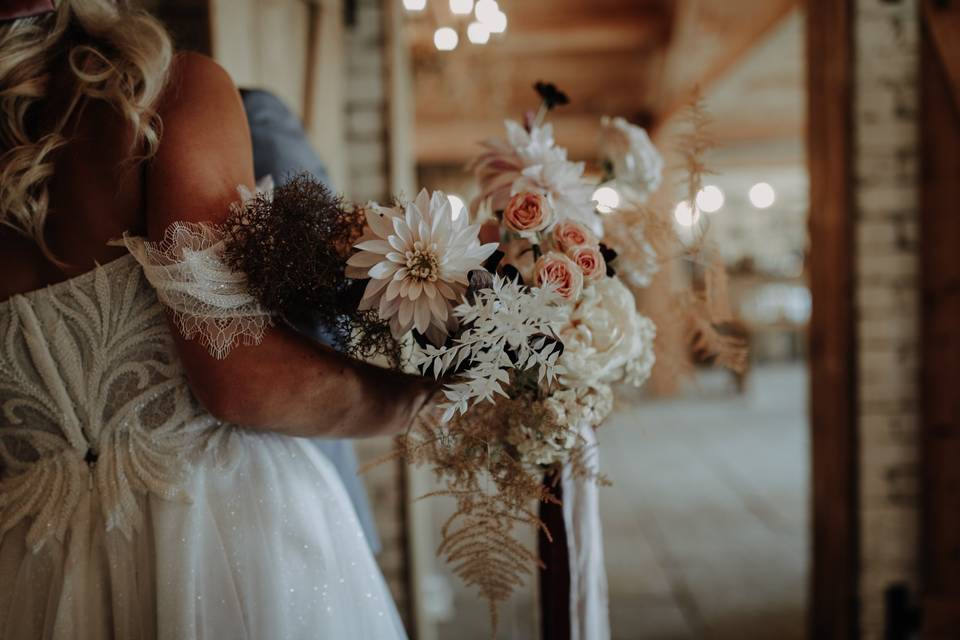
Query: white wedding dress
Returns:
{"type": "Point", "coordinates": [126, 510]}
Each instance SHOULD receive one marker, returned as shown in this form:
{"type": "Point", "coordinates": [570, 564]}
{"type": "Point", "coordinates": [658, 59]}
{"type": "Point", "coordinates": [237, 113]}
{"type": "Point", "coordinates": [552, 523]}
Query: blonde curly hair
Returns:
{"type": "Point", "coordinates": [114, 53]}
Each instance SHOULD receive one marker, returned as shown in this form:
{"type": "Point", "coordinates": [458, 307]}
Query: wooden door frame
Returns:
{"type": "Point", "coordinates": [940, 347]}
{"type": "Point", "coordinates": [833, 587]}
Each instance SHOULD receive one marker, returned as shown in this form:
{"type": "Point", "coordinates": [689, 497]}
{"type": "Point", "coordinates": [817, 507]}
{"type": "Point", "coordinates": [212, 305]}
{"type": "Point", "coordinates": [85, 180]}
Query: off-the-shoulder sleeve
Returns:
{"type": "Point", "coordinates": [209, 300]}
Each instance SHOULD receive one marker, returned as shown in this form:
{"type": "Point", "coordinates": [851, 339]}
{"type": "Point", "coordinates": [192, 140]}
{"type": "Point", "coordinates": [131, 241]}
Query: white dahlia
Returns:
{"type": "Point", "coordinates": [531, 161]}
{"type": "Point", "coordinates": [417, 258]}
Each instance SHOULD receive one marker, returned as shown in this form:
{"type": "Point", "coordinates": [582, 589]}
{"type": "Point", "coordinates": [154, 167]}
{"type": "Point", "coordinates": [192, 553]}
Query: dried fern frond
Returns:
{"type": "Point", "coordinates": [493, 490]}
{"type": "Point", "coordinates": [478, 543]}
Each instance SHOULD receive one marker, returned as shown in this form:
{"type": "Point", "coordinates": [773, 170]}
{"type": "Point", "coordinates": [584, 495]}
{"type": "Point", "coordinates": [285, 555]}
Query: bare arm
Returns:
{"type": "Point", "coordinates": [287, 383]}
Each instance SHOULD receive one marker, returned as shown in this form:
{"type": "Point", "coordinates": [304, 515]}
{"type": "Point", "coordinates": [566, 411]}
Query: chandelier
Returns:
{"type": "Point", "coordinates": [477, 19]}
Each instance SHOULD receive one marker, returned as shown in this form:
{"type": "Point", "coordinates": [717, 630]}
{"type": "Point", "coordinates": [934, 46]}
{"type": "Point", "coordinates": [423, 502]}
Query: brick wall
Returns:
{"type": "Point", "coordinates": [367, 173]}
{"type": "Point", "coordinates": [366, 103]}
{"type": "Point", "coordinates": [886, 199]}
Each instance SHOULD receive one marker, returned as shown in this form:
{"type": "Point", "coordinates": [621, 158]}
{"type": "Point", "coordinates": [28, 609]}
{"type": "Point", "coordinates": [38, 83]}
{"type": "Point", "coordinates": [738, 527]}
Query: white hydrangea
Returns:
{"type": "Point", "coordinates": [539, 448]}
{"type": "Point", "coordinates": [582, 405]}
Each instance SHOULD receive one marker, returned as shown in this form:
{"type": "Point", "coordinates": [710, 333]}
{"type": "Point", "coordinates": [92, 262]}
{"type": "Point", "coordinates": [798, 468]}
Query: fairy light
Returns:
{"type": "Point", "coordinates": [478, 33]}
{"type": "Point", "coordinates": [497, 23]}
{"type": "Point", "coordinates": [685, 215]}
{"type": "Point", "coordinates": [710, 199]}
{"type": "Point", "coordinates": [445, 39]}
{"type": "Point", "coordinates": [486, 10]}
{"type": "Point", "coordinates": [762, 195]}
{"type": "Point", "coordinates": [607, 199]}
{"type": "Point", "coordinates": [461, 7]}
{"type": "Point", "coordinates": [489, 19]}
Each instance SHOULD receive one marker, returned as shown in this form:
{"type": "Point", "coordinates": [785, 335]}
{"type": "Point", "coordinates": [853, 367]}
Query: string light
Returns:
{"type": "Point", "coordinates": [445, 39]}
{"type": "Point", "coordinates": [498, 23]}
{"type": "Point", "coordinates": [486, 10]}
{"type": "Point", "coordinates": [461, 7]}
{"type": "Point", "coordinates": [762, 195]}
{"type": "Point", "coordinates": [607, 199]}
{"type": "Point", "coordinates": [710, 199]}
{"type": "Point", "coordinates": [490, 19]}
{"type": "Point", "coordinates": [685, 215]}
{"type": "Point", "coordinates": [478, 33]}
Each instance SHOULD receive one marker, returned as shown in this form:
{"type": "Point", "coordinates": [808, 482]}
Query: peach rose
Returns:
{"type": "Point", "coordinates": [527, 213]}
{"type": "Point", "coordinates": [568, 234]}
{"type": "Point", "coordinates": [560, 271]}
{"type": "Point", "coordinates": [590, 261]}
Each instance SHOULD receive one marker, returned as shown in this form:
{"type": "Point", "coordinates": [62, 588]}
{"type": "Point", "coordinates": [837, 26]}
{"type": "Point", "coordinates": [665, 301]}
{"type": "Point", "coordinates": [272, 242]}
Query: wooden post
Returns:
{"type": "Point", "coordinates": [833, 391]}
{"type": "Point", "coordinates": [940, 342]}
{"type": "Point", "coordinates": [555, 577]}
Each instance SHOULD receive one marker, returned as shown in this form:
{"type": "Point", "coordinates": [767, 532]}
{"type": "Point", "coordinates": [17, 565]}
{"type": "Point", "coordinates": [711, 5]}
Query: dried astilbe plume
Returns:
{"type": "Point", "coordinates": [651, 252]}
{"type": "Point", "coordinates": [694, 145]}
{"type": "Point", "coordinates": [712, 333]}
{"type": "Point", "coordinates": [293, 247]}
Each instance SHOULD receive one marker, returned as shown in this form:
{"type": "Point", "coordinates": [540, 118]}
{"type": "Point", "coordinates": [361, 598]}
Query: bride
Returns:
{"type": "Point", "coordinates": [148, 488]}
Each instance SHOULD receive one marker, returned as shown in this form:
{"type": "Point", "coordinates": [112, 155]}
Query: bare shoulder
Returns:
{"type": "Point", "coordinates": [200, 93]}
{"type": "Point", "coordinates": [205, 150]}
{"type": "Point", "coordinates": [196, 77]}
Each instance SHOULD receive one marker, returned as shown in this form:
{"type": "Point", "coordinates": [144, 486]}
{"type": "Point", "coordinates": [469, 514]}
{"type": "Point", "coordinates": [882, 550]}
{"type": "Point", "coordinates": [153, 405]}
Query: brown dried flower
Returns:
{"type": "Point", "coordinates": [293, 248]}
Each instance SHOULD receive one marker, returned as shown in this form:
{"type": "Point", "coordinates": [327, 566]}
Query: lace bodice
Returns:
{"type": "Point", "coordinates": [92, 394]}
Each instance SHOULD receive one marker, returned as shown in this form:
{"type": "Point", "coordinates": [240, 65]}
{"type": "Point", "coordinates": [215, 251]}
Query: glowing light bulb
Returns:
{"type": "Point", "coordinates": [710, 199]}
{"type": "Point", "coordinates": [461, 7]}
{"type": "Point", "coordinates": [607, 199]}
{"type": "Point", "coordinates": [486, 10]}
{"type": "Point", "coordinates": [498, 23]}
{"type": "Point", "coordinates": [445, 39]}
{"type": "Point", "coordinates": [414, 5]}
{"type": "Point", "coordinates": [762, 195]}
{"type": "Point", "coordinates": [685, 215]}
{"type": "Point", "coordinates": [456, 203]}
{"type": "Point", "coordinates": [478, 33]}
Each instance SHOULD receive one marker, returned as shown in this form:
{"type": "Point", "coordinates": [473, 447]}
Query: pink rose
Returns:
{"type": "Point", "coordinates": [590, 261]}
{"type": "Point", "coordinates": [527, 213]}
{"type": "Point", "coordinates": [561, 272]}
{"type": "Point", "coordinates": [569, 234]}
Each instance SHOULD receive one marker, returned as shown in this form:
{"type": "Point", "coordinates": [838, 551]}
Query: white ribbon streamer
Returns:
{"type": "Point", "coordinates": [589, 605]}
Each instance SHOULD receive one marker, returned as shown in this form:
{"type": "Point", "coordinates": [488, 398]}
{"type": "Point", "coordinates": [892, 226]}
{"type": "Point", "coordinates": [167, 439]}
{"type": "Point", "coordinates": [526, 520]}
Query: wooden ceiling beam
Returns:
{"type": "Point", "coordinates": [710, 41]}
{"type": "Point", "coordinates": [456, 142]}
{"type": "Point", "coordinates": [609, 35]}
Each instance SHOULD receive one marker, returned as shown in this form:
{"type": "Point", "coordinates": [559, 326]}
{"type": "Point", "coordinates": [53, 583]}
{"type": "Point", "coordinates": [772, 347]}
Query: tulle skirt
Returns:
{"type": "Point", "coordinates": [266, 546]}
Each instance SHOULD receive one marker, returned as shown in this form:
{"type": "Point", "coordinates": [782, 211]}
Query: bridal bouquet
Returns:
{"type": "Point", "coordinates": [529, 335]}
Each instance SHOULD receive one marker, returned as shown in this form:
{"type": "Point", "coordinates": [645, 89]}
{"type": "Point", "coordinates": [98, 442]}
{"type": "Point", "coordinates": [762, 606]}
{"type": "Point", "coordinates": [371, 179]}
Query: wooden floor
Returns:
{"type": "Point", "coordinates": [705, 525]}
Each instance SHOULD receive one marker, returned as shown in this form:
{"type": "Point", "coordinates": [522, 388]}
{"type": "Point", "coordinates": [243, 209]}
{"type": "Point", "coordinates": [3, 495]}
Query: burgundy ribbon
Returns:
{"type": "Point", "coordinates": [15, 9]}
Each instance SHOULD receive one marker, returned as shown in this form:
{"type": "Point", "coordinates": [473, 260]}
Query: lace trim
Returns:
{"type": "Point", "coordinates": [209, 300]}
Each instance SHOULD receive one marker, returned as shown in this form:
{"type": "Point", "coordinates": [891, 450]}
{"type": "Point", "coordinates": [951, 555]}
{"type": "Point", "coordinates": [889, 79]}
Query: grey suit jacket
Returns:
{"type": "Point", "coordinates": [281, 149]}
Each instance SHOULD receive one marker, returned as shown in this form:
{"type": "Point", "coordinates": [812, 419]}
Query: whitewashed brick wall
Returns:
{"type": "Point", "coordinates": [366, 104]}
{"type": "Point", "coordinates": [366, 147]}
{"type": "Point", "coordinates": [887, 211]}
